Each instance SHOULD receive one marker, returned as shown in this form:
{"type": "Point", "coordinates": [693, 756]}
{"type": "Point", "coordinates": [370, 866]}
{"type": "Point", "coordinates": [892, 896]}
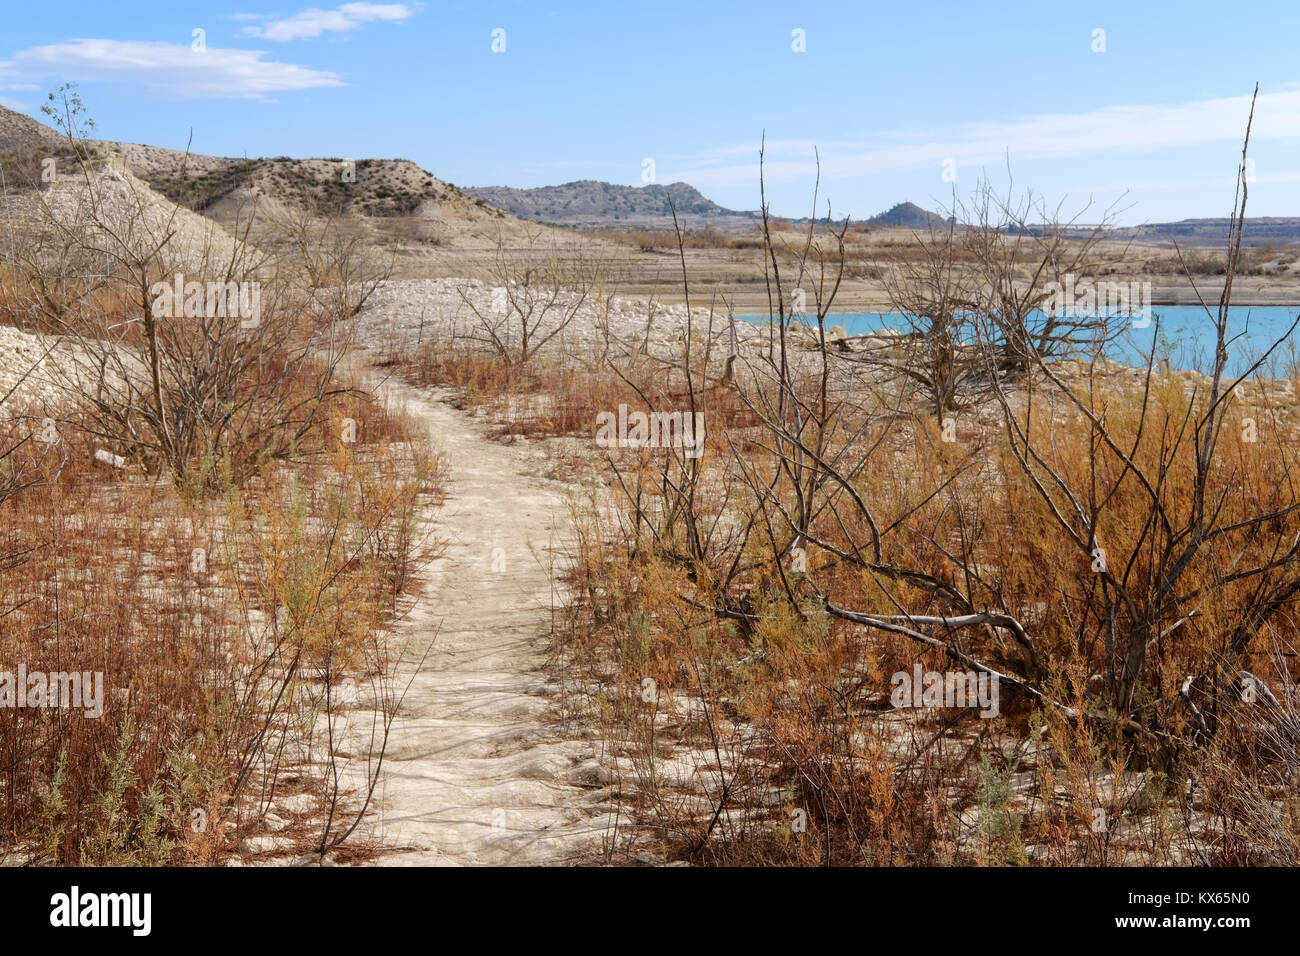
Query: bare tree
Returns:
{"type": "Point", "coordinates": [1203, 544]}
{"type": "Point", "coordinates": [537, 291]}
{"type": "Point", "coordinates": [332, 260]}
{"type": "Point", "coordinates": [934, 293]}
{"type": "Point", "coordinates": [1019, 251]}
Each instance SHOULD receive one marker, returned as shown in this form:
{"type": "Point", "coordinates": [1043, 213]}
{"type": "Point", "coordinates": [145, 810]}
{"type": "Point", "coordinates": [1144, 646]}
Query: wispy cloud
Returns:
{"type": "Point", "coordinates": [168, 69]}
{"type": "Point", "coordinates": [1110, 130]}
{"type": "Point", "coordinates": [314, 22]}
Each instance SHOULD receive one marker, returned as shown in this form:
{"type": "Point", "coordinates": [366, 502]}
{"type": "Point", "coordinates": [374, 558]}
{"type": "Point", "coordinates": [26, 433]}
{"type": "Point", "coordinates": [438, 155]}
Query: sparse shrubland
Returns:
{"type": "Point", "coordinates": [211, 510]}
{"type": "Point", "coordinates": [1117, 547]}
{"type": "Point", "coordinates": [1102, 562]}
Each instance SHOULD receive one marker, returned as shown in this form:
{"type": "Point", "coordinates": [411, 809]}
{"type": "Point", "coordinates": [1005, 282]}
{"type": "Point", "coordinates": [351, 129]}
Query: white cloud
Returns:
{"type": "Point", "coordinates": [1110, 130]}
{"type": "Point", "coordinates": [314, 22]}
{"type": "Point", "coordinates": [168, 69]}
{"type": "Point", "coordinates": [13, 104]}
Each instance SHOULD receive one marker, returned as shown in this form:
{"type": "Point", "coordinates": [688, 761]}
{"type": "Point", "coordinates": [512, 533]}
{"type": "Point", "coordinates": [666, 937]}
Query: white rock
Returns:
{"type": "Point", "coordinates": [264, 844]}
{"type": "Point", "coordinates": [297, 803]}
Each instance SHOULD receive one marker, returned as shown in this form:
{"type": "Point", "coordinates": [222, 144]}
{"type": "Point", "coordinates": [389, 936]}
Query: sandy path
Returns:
{"type": "Point", "coordinates": [476, 770]}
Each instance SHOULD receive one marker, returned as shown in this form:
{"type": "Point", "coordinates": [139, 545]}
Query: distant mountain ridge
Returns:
{"type": "Point", "coordinates": [587, 202]}
{"type": "Point", "coordinates": [590, 204]}
{"type": "Point", "coordinates": [1283, 229]}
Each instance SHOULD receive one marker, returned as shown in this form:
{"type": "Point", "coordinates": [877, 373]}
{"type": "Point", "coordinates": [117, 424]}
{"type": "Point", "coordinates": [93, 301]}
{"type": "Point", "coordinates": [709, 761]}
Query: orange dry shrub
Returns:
{"type": "Point", "coordinates": [765, 710]}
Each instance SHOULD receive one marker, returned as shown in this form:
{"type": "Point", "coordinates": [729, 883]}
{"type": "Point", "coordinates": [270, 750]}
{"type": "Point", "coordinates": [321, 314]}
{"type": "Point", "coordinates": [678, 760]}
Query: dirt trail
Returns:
{"type": "Point", "coordinates": [477, 772]}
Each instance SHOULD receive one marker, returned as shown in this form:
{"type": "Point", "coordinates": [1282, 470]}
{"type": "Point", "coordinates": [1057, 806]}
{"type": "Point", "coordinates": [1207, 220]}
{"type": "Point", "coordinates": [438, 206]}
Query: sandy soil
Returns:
{"type": "Point", "coordinates": [478, 769]}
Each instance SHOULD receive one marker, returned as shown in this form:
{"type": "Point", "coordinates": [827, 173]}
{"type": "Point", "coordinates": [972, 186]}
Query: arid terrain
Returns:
{"type": "Point", "coordinates": [356, 530]}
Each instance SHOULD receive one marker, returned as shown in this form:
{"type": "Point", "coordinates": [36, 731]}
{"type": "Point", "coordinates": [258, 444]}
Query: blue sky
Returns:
{"type": "Point", "coordinates": [891, 94]}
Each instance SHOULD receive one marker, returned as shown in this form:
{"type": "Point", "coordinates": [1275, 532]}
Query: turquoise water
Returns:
{"type": "Point", "coordinates": [1187, 332]}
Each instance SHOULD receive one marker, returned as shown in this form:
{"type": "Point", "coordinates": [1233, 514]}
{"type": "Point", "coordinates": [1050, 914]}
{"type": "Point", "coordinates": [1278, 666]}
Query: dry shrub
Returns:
{"type": "Point", "coordinates": [217, 624]}
{"type": "Point", "coordinates": [765, 709]}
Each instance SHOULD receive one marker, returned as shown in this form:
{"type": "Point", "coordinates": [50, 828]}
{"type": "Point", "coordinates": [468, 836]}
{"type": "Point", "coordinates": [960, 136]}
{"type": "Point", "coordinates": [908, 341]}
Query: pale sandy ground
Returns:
{"type": "Point", "coordinates": [478, 770]}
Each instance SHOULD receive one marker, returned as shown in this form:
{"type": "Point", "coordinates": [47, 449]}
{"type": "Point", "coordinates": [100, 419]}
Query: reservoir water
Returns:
{"type": "Point", "coordinates": [1185, 335]}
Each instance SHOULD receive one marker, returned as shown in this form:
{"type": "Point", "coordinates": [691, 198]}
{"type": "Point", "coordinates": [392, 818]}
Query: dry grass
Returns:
{"type": "Point", "coordinates": [769, 737]}
{"type": "Point", "coordinates": [553, 397]}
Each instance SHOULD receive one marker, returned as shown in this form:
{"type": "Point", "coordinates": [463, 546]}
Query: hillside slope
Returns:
{"type": "Point", "coordinates": [389, 203]}
{"type": "Point", "coordinates": [19, 133]}
{"type": "Point", "coordinates": [394, 200]}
